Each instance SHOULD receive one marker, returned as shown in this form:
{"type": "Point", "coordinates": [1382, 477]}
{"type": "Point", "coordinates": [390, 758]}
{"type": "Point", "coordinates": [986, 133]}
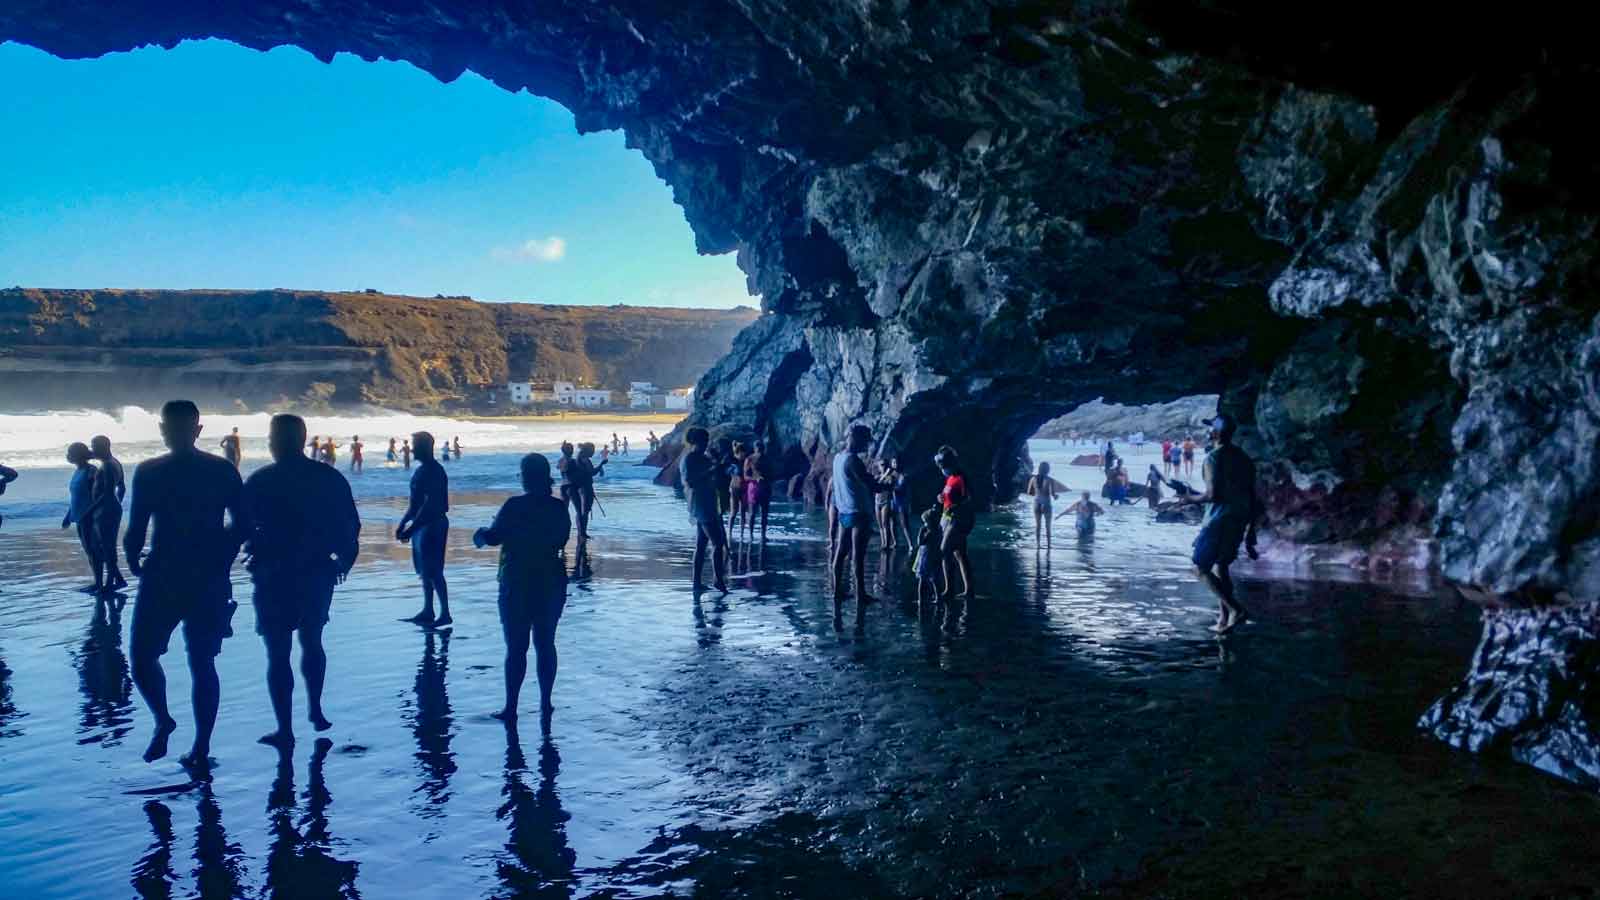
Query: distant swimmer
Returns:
{"type": "Point", "coordinates": [80, 510]}
{"type": "Point", "coordinates": [698, 473]}
{"type": "Point", "coordinates": [1230, 519]}
{"type": "Point", "coordinates": [356, 462]}
{"type": "Point", "coordinates": [301, 543]}
{"type": "Point", "coordinates": [1044, 490]}
{"type": "Point", "coordinates": [531, 529]}
{"type": "Point", "coordinates": [425, 526]}
{"type": "Point", "coordinates": [391, 455]}
{"type": "Point", "coordinates": [187, 494]}
{"type": "Point", "coordinates": [1084, 511]}
{"type": "Point", "coordinates": [405, 453]}
{"type": "Point", "coordinates": [111, 488]}
{"type": "Point", "coordinates": [232, 449]}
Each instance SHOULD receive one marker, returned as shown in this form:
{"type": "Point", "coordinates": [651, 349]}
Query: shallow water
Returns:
{"type": "Point", "coordinates": [1073, 729]}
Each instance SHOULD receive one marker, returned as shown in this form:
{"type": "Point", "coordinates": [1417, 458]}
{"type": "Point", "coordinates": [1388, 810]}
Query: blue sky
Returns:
{"type": "Point", "coordinates": [215, 166]}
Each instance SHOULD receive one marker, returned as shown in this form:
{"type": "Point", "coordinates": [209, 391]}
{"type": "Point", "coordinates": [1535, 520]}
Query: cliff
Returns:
{"type": "Point", "coordinates": [1156, 420]}
{"type": "Point", "coordinates": [65, 348]}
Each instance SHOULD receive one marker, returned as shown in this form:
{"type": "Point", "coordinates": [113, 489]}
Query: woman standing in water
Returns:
{"type": "Point", "coordinates": [391, 455]}
{"type": "Point", "coordinates": [530, 531]}
{"type": "Point", "coordinates": [1043, 489]}
{"type": "Point", "coordinates": [80, 510]}
{"type": "Point", "coordinates": [736, 492]}
{"type": "Point", "coordinates": [1085, 510]}
{"type": "Point", "coordinates": [957, 522]}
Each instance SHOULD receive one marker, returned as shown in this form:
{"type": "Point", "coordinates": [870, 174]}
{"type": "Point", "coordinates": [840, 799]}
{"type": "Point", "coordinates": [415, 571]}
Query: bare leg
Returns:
{"type": "Point", "coordinates": [151, 681]}
{"type": "Point", "coordinates": [858, 552]}
{"type": "Point", "coordinates": [314, 668]}
{"type": "Point", "coordinates": [280, 689]}
{"type": "Point", "coordinates": [1037, 514]}
{"type": "Point", "coordinates": [840, 551]}
{"type": "Point", "coordinates": [426, 616]}
{"type": "Point", "coordinates": [699, 556]}
{"type": "Point", "coordinates": [965, 565]}
{"type": "Point", "coordinates": [206, 696]}
{"type": "Point", "coordinates": [516, 671]}
{"type": "Point", "coordinates": [444, 601]}
{"type": "Point", "coordinates": [719, 560]}
{"type": "Point", "coordinates": [545, 651]}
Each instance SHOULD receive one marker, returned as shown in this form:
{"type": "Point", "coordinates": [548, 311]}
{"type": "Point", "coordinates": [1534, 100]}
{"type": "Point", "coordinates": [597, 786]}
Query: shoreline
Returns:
{"type": "Point", "coordinates": [657, 418]}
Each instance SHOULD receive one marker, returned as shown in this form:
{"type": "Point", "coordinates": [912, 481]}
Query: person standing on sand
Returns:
{"type": "Point", "coordinates": [698, 473]}
{"type": "Point", "coordinates": [303, 539]}
{"type": "Point", "coordinates": [356, 462]}
{"type": "Point", "coordinates": [425, 526]}
{"type": "Point", "coordinates": [81, 511]}
{"type": "Point", "coordinates": [853, 489]}
{"type": "Point", "coordinates": [531, 530]}
{"type": "Point", "coordinates": [110, 489]}
{"type": "Point", "coordinates": [405, 453]}
{"type": "Point", "coordinates": [1230, 477]}
{"type": "Point", "coordinates": [186, 494]}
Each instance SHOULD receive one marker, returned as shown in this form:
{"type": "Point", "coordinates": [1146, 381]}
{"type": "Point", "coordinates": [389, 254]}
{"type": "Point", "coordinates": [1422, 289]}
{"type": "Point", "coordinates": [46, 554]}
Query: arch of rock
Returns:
{"type": "Point", "coordinates": [1374, 237]}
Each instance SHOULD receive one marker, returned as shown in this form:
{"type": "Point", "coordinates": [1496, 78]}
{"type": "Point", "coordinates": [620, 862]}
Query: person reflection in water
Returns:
{"type": "Point", "coordinates": [302, 542]}
{"type": "Point", "coordinates": [110, 489]}
{"type": "Point", "coordinates": [541, 862]}
{"type": "Point", "coordinates": [186, 494]}
{"type": "Point", "coordinates": [219, 869]}
{"type": "Point", "coordinates": [300, 862]}
{"type": "Point", "coordinates": [1230, 476]}
{"type": "Point", "coordinates": [431, 721]}
{"type": "Point", "coordinates": [425, 526]}
{"type": "Point", "coordinates": [103, 677]}
{"type": "Point", "coordinates": [530, 531]}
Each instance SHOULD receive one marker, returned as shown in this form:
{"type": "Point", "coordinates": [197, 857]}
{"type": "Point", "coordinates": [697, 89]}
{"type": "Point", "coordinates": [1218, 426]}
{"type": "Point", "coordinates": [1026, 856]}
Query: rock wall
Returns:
{"type": "Point", "coordinates": [66, 349]}
{"type": "Point", "coordinates": [1370, 230]}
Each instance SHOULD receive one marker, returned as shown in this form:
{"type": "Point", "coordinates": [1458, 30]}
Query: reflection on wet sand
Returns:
{"type": "Point", "coordinates": [300, 862]}
{"type": "Point", "coordinates": [8, 709]}
{"type": "Point", "coordinates": [219, 865]}
{"type": "Point", "coordinates": [103, 677]}
{"type": "Point", "coordinates": [540, 863]}
{"type": "Point", "coordinates": [431, 722]}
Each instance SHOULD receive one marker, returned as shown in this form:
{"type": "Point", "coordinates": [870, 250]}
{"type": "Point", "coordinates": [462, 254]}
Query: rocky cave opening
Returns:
{"type": "Point", "coordinates": [967, 218]}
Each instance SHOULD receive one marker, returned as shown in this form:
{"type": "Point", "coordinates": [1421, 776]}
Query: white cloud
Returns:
{"type": "Point", "coordinates": [545, 249]}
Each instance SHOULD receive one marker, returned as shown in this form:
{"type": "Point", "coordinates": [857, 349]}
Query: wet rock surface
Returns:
{"type": "Point", "coordinates": [967, 218]}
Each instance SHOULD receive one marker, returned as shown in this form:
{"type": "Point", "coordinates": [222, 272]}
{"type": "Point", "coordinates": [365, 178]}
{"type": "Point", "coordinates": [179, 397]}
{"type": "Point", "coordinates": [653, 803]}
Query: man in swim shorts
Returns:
{"type": "Point", "coordinates": [425, 527]}
{"type": "Point", "coordinates": [1231, 478]}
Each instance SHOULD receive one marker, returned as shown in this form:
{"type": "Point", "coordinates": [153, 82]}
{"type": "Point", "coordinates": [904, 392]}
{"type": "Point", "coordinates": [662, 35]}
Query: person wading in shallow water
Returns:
{"type": "Point", "coordinates": [698, 473]}
{"type": "Point", "coordinates": [1231, 492]}
{"type": "Point", "coordinates": [959, 518]}
{"type": "Point", "coordinates": [186, 494]}
{"type": "Point", "coordinates": [302, 541]}
{"type": "Point", "coordinates": [530, 531]}
{"type": "Point", "coordinates": [425, 526]}
{"type": "Point", "coordinates": [232, 450]}
{"type": "Point", "coordinates": [110, 489]}
{"type": "Point", "coordinates": [853, 488]}
{"type": "Point", "coordinates": [405, 453]}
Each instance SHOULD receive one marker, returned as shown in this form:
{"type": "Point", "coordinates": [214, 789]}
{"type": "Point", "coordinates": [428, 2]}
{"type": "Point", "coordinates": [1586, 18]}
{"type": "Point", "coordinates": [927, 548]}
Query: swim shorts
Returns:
{"type": "Point", "coordinates": [292, 603]}
{"type": "Point", "coordinates": [1217, 544]}
{"type": "Point", "coordinates": [165, 601]}
{"type": "Point", "coordinates": [427, 548]}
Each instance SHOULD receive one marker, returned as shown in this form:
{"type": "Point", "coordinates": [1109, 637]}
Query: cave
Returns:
{"type": "Point", "coordinates": [1373, 236]}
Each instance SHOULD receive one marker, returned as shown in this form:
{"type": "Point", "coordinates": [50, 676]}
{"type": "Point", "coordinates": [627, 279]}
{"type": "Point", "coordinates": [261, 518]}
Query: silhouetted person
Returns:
{"type": "Point", "coordinates": [302, 541]}
{"type": "Point", "coordinates": [300, 862]}
{"type": "Point", "coordinates": [232, 450]}
{"type": "Point", "coordinates": [81, 510]}
{"type": "Point", "coordinates": [1231, 478]}
{"type": "Point", "coordinates": [445, 451]}
{"type": "Point", "coordinates": [405, 453]}
{"type": "Point", "coordinates": [530, 531]}
{"type": "Point", "coordinates": [357, 462]}
{"type": "Point", "coordinates": [698, 473]}
{"type": "Point", "coordinates": [958, 519]}
{"type": "Point", "coordinates": [457, 443]}
{"type": "Point", "coordinates": [853, 488]}
{"type": "Point", "coordinates": [587, 472]}
{"type": "Point", "coordinates": [393, 454]}
{"type": "Point", "coordinates": [186, 493]}
{"type": "Point", "coordinates": [7, 475]}
{"type": "Point", "coordinates": [425, 525]}
{"type": "Point", "coordinates": [110, 487]}
{"type": "Point", "coordinates": [541, 863]}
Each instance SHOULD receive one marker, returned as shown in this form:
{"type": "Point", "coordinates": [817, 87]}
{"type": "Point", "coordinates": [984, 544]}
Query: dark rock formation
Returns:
{"type": "Point", "coordinates": [1097, 418]}
{"type": "Point", "coordinates": [1365, 231]}
{"type": "Point", "coordinates": [64, 349]}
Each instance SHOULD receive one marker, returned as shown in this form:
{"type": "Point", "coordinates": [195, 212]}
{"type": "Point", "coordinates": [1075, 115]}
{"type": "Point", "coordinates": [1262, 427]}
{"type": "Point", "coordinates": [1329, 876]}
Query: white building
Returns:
{"type": "Point", "coordinates": [563, 392]}
{"type": "Point", "coordinates": [642, 395]}
{"type": "Point", "coordinates": [520, 392]}
{"type": "Point", "coordinates": [680, 399]}
{"type": "Point", "coordinates": [589, 398]}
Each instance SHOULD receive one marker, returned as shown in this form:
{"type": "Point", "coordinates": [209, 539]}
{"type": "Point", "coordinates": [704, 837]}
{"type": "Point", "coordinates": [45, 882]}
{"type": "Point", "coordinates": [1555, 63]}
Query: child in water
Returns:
{"type": "Point", "coordinates": [926, 565]}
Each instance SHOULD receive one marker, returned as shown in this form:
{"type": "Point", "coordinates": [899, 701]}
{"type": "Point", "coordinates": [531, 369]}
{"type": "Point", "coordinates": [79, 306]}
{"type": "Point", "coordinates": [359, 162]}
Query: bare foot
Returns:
{"type": "Point", "coordinates": [722, 587]}
{"type": "Point", "coordinates": [283, 740]}
{"type": "Point", "coordinates": [442, 622]}
{"type": "Point", "coordinates": [320, 722]}
{"type": "Point", "coordinates": [158, 741]}
{"type": "Point", "coordinates": [196, 763]}
{"type": "Point", "coordinates": [91, 589]}
{"type": "Point", "coordinates": [504, 715]}
{"type": "Point", "coordinates": [422, 618]}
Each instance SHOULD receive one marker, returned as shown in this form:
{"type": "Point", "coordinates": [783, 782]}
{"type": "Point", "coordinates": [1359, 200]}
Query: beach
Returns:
{"type": "Point", "coordinates": [1074, 728]}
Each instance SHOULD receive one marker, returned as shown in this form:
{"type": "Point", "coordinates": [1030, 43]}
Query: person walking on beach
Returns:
{"type": "Point", "coordinates": [111, 488]}
{"type": "Point", "coordinates": [302, 541]}
{"type": "Point", "coordinates": [357, 464]}
{"type": "Point", "coordinates": [232, 450]}
{"type": "Point", "coordinates": [530, 529]}
{"type": "Point", "coordinates": [80, 511]}
{"type": "Point", "coordinates": [186, 494]}
{"type": "Point", "coordinates": [853, 488]}
{"type": "Point", "coordinates": [1230, 477]}
{"type": "Point", "coordinates": [405, 453]}
{"type": "Point", "coordinates": [698, 473]}
{"type": "Point", "coordinates": [1043, 489]}
{"type": "Point", "coordinates": [425, 525]}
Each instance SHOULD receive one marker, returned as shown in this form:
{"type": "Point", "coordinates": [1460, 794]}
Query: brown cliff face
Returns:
{"type": "Point", "coordinates": [107, 348]}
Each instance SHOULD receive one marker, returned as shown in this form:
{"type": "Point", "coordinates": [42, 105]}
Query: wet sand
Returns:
{"type": "Point", "coordinates": [1074, 729]}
